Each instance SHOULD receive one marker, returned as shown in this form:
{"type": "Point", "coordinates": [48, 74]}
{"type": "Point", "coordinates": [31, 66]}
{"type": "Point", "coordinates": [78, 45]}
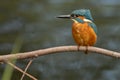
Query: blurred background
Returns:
{"type": "Point", "coordinates": [32, 25]}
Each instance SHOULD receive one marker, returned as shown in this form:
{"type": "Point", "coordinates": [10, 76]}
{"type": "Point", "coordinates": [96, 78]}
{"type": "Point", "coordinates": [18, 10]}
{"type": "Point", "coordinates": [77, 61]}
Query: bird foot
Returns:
{"type": "Point", "coordinates": [86, 51]}
{"type": "Point", "coordinates": [78, 48]}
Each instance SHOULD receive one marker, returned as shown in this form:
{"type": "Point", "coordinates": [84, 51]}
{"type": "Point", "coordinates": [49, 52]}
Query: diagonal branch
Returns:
{"type": "Point", "coordinates": [15, 67]}
{"type": "Point", "coordinates": [28, 65]}
{"type": "Point", "coordinates": [59, 49]}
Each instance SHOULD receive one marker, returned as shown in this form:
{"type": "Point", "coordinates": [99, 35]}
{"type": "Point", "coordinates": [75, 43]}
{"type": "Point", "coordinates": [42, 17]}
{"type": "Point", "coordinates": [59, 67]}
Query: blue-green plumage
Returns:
{"type": "Point", "coordinates": [79, 20]}
{"type": "Point", "coordinates": [93, 26]}
{"type": "Point", "coordinates": [83, 12]}
{"type": "Point", "coordinates": [86, 13]}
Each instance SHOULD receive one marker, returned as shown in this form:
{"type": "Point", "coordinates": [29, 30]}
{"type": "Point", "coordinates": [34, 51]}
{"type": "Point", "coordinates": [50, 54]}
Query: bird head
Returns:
{"type": "Point", "coordinates": [76, 14]}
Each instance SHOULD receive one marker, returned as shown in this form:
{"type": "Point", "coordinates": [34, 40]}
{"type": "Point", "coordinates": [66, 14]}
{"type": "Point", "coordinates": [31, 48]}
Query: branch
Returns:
{"type": "Point", "coordinates": [17, 68]}
{"type": "Point", "coordinates": [29, 63]}
{"type": "Point", "coordinates": [52, 50]}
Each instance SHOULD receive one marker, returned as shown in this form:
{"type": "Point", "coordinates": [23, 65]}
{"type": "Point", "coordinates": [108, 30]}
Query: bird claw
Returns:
{"type": "Point", "coordinates": [86, 51]}
{"type": "Point", "coordinates": [78, 48]}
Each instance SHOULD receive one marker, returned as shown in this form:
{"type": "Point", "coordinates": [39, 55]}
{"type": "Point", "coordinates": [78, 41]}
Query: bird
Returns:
{"type": "Point", "coordinates": [84, 30]}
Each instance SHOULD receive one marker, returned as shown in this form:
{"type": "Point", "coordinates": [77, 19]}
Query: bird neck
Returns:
{"type": "Point", "coordinates": [87, 20]}
{"type": "Point", "coordinates": [81, 19]}
{"type": "Point", "coordinates": [84, 19]}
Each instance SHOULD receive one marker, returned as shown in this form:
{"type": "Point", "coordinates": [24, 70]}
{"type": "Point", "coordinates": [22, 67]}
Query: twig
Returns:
{"type": "Point", "coordinates": [15, 67]}
{"type": "Point", "coordinates": [52, 50]}
{"type": "Point", "coordinates": [29, 63]}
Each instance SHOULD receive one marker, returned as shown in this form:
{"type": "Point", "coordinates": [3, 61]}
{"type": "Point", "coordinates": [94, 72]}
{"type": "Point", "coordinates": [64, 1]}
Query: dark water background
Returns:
{"type": "Point", "coordinates": [35, 22]}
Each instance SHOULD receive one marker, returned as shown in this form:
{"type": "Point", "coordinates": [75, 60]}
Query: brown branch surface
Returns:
{"type": "Point", "coordinates": [52, 50]}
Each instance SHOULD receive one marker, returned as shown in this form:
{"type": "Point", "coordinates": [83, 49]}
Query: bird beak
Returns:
{"type": "Point", "coordinates": [64, 16]}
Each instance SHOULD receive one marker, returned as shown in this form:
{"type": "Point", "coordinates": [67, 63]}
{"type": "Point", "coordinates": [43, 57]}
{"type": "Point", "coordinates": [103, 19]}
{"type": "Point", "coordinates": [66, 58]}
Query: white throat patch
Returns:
{"type": "Point", "coordinates": [87, 20]}
{"type": "Point", "coordinates": [75, 21]}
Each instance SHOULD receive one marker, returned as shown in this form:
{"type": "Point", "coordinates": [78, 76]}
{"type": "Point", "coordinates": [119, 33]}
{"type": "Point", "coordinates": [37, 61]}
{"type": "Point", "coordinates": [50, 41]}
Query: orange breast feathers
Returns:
{"type": "Point", "coordinates": [83, 34]}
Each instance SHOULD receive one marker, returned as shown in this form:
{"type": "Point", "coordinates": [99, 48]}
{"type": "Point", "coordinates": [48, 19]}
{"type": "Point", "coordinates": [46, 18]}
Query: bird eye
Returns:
{"type": "Point", "coordinates": [74, 15]}
{"type": "Point", "coordinates": [77, 15]}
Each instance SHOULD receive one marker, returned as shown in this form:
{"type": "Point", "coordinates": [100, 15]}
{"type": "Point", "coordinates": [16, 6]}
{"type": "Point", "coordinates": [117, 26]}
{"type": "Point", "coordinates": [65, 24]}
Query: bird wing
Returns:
{"type": "Point", "coordinates": [93, 26]}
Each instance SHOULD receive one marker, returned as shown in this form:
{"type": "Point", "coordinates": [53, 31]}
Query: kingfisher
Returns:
{"type": "Point", "coordinates": [84, 30]}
